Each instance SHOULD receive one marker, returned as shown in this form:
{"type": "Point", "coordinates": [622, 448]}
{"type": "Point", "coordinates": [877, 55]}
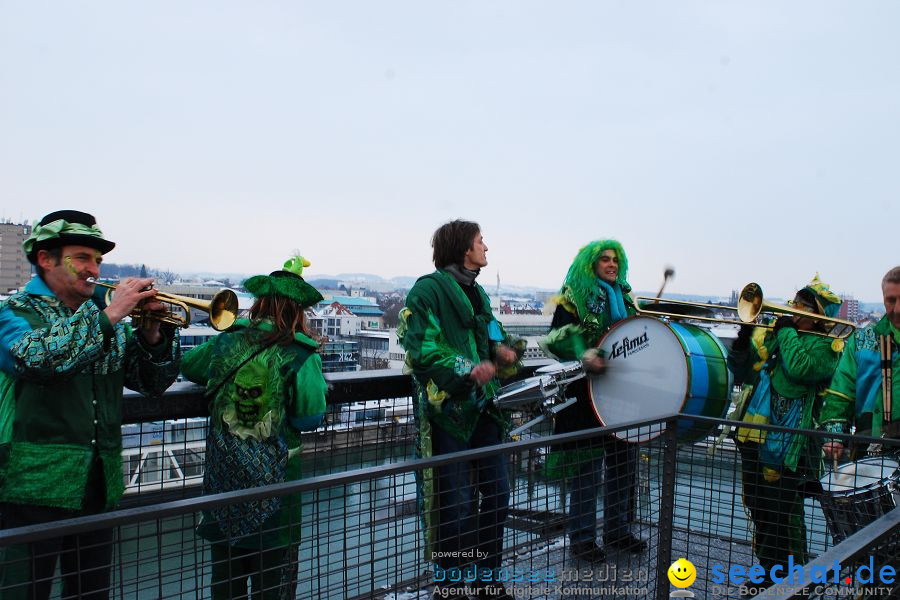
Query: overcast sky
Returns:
{"type": "Point", "coordinates": [737, 141]}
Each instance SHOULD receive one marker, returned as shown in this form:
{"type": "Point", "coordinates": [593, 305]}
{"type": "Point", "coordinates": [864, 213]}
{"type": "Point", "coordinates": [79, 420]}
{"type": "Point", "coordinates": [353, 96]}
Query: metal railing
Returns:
{"type": "Point", "coordinates": [359, 528]}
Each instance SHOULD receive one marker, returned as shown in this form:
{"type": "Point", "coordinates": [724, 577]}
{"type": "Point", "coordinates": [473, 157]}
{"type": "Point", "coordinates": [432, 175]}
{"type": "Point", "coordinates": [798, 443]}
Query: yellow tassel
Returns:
{"type": "Point", "coordinates": [752, 434]}
{"type": "Point", "coordinates": [436, 396]}
{"type": "Point", "coordinates": [838, 346]}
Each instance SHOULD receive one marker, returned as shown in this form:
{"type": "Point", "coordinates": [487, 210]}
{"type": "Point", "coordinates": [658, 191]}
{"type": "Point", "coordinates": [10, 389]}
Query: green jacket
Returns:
{"type": "Point", "coordinates": [61, 393]}
{"type": "Point", "coordinates": [804, 362]}
{"type": "Point", "coordinates": [855, 395]}
{"type": "Point", "coordinates": [571, 336]}
{"type": "Point", "coordinates": [800, 365]}
{"type": "Point", "coordinates": [257, 413]}
{"type": "Point", "coordinates": [444, 340]}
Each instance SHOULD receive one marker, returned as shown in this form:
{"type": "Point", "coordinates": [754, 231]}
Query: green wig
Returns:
{"type": "Point", "coordinates": [581, 279]}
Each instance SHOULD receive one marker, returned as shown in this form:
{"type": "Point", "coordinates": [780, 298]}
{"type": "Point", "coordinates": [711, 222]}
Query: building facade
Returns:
{"type": "Point", "coordinates": [335, 321]}
{"type": "Point", "coordinates": [364, 307]}
{"type": "Point", "coordinates": [849, 309]}
{"type": "Point", "coordinates": [15, 270]}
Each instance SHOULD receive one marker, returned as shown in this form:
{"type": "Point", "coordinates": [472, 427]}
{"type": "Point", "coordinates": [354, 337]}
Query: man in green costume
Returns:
{"type": "Point", "coordinates": [64, 357]}
{"type": "Point", "coordinates": [787, 367]}
{"type": "Point", "coordinates": [595, 295]}
{"type": "Point", "coordinates": [455, 349]}
{"type": "Point", "coordinates": [868, 372]}
{"type": "Point", "coordinates": [864, 393]}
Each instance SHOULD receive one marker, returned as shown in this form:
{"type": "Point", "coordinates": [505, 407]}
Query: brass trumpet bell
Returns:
{"type": "Point", "coordinates": [222, 309]}
{"type": "Point", "coordinates": [751, 304]}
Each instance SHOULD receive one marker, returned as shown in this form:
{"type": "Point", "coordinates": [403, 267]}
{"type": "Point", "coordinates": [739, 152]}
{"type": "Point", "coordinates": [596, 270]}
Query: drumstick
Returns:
{"type": "Point", "coordinates": [670, 272]}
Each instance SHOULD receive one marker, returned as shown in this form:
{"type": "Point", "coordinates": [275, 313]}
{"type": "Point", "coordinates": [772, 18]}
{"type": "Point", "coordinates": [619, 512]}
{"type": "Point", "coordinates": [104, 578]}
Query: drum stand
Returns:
{"type": "Point", "coordinates": [548, 410]}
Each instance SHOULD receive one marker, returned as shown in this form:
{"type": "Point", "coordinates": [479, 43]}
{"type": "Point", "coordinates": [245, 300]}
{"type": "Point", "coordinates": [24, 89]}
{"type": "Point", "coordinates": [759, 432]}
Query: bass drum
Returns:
{"type": "Point", "coordinates": [657, 368]}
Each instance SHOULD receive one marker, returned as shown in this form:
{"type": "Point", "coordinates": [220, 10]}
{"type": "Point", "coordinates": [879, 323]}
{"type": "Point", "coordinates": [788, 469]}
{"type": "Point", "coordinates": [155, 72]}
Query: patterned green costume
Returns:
{"type": "Point", "coordinates": [588, 305]}
{"type": "Point", "coordinates": [63, 363]}
{"type": "Point", "coordinates": [855, 394]}
{"type": "Point", "coordinates": [444, 339]}
{"type": "Point", "coordinates": [265, 381]}
{"type": "Point", "coordinates": [786, 370]}
{"type": "Point", "coordinates": [258, 412]}
{"type": "Point", "coordinates": [61, 395]}
{"type": "Point", "coordinates": [584, 313]}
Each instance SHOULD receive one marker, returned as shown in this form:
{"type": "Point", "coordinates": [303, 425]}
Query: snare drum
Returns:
{"type": "Point", "coordinates": [526, 392]}
{"type": "Point", "coordinates": [857, 493]}
{"type": "Point", "coordinates": [563, 373]}
{"type": "Point", "coordinates": [550, 382]}
{"type": "Point", "coordinates": [657, 368]}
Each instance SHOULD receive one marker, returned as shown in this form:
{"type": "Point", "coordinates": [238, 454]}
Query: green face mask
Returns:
{"type": "Point", "coordinates": [252, 398]}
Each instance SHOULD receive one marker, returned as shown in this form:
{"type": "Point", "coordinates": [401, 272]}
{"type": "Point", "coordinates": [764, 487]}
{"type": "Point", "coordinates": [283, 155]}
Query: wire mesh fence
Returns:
{"type": "Point", "coordinates": [606, 520]}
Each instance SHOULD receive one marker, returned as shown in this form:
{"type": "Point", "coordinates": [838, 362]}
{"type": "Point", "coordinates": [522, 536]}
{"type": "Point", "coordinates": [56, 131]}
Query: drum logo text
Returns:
{"type": "Point", "coordinates": [626, 346]}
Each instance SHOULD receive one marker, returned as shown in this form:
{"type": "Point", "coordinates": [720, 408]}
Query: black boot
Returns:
{"type": "Point", "coordinates": [627, 542]}
{"type": "Point", "coordinates": [588, 551]}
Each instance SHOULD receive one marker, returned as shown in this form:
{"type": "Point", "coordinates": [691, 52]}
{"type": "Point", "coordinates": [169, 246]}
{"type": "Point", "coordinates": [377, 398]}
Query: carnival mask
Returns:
{"type": "Point", "coordinates": [252, 400]}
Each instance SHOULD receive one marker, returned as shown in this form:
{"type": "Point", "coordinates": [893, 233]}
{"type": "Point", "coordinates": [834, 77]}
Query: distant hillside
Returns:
{"type": "Point", "coordinates": [356, 276]}
{"type": "Point", "coordinates": [234, 277]}
{"type": "Point", "coordinates": [326, 284]}
{"type": "Point", "coordinates": [404, 282]}
{"type": "Point", "coordinates": [365, 280]}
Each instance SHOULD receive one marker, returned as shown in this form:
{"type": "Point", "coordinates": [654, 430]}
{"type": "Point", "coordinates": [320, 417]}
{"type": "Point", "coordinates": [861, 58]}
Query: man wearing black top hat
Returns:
{"type": "Point", "coordinates": [64, 359]}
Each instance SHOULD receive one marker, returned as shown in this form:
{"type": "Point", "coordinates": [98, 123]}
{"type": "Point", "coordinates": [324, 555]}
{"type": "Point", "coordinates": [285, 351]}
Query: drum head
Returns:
{"type": "Point", "coordinates": [563, 373]}
{"type": "Point", "coordinates": [569, 366]}
{"type": "Point", "coordinates": [865, 472]}
{"type": "Point", "coordinates": [647, 376]}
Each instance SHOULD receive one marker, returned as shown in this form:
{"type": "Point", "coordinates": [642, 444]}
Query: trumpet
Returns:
{"type": "Point", "coordinates": [751, 306]}
{"type": "Point", "coordinates": [222, 309]}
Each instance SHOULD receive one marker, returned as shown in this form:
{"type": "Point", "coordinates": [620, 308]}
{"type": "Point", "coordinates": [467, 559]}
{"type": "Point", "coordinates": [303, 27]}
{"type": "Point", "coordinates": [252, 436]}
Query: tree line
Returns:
{"type": "Point", "coordinates": [120, 271]}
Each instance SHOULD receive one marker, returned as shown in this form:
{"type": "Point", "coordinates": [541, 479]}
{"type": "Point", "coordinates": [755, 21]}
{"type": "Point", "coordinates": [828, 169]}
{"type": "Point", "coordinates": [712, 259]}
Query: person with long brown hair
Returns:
{"type": "Point", "coordinates": [265, 384]}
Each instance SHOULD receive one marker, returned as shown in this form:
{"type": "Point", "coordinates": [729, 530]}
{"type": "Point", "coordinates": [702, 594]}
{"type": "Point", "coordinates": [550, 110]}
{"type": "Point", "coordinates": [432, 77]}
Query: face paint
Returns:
{"type": "Point", "coordinates": [67, 261]}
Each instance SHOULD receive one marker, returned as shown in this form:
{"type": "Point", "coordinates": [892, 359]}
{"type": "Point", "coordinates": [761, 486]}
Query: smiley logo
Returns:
{"type": "Point", "coordinates": [682, 573]}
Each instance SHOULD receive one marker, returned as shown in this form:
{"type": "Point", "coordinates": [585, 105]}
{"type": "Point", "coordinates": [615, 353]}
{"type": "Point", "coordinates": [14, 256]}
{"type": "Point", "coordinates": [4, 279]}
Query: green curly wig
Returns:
{"type": "Point", "coordinates": [581, 278]}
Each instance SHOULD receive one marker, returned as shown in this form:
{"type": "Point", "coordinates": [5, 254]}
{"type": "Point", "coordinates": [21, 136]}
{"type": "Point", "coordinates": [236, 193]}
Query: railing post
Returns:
{"type": "Point", "coordinates": [666, 509]}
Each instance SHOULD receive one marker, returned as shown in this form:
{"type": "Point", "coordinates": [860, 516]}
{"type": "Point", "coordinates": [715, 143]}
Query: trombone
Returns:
{"type": "Point", "coordinates": [222, 309]}
{"type": "Point", "coordinates": [749, 308]}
